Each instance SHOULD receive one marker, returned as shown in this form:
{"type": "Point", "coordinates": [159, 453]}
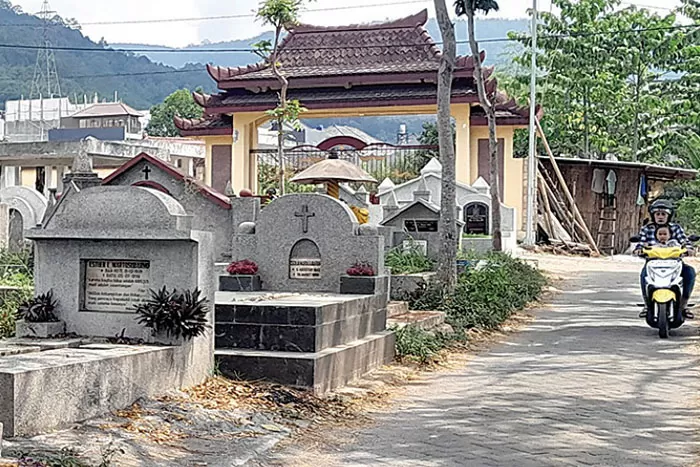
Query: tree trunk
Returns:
{"type": "Point", "coordinates": [447, 257]}
{"type": "Point", "coordinates": [284, 84]}
{"type": "Point", "coordinates": [489, 109]}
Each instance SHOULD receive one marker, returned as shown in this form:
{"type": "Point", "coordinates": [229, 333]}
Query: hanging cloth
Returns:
{"type": "Point", "coordinates": [598, 185]}
{"type": "Point", "coordinates": [612, 182]}
{"type": "Point", "coordinates": [642, 192]}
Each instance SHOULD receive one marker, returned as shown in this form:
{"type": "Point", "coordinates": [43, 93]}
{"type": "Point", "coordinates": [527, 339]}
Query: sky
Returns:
{"type": "Point", "coordinates": [179, 34]}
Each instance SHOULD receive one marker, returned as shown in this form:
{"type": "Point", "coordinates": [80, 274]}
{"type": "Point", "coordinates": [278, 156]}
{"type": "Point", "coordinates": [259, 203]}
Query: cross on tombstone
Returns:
{"type": "Point", "coordinates": [304, 214]}
{"type": "Point", "coordinates": [146, 170]}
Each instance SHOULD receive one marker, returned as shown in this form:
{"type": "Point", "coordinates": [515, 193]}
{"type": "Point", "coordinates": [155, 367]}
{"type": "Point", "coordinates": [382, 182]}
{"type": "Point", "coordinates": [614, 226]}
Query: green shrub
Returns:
{"type": "Point", "coordinates": [407, 262]}
{"type": "Point", "coordinates": [175, 314]}
{"type": "Point", "coordinates": [486, 294]}
{"type": "Point", "coordinates": [16, 270]}
{"type": "Point", "coordinates": [688, 214]}
{"type": "Point", "coordinates": [412, 341]}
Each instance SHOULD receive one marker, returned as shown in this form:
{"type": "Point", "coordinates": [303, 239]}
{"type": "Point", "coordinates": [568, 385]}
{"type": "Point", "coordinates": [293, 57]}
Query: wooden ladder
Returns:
{"type": "Point", "coordinates": [608, 214]}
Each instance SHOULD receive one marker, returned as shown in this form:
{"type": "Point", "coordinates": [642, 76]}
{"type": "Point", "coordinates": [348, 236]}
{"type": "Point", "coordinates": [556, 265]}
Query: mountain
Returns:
{"type": "Point", "coordinates": [143, 79]}
{"type": "Point", "coordinates": [139, 82]}
{"type": "Point", "coordinates": [496, 52]}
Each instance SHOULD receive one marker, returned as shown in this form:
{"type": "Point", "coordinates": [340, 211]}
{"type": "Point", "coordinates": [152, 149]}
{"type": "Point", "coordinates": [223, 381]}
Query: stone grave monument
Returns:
{"type": "Point", "coordinates": [101, 251]}
{"type": "Point", "coordinates": [312, 324]}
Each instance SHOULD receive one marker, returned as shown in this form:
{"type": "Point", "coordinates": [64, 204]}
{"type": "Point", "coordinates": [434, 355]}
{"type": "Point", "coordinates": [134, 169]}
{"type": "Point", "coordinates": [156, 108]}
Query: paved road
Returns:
{"type": "Point", "coordinates": [586, 384]}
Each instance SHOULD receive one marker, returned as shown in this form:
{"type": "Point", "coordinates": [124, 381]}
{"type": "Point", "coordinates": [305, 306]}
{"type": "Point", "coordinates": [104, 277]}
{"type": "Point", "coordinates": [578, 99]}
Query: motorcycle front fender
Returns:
{"type": "Point", "coordinates": [663, 295]}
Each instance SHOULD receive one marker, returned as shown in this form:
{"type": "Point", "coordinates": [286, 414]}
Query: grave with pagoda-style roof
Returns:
{"type": "Point", "coordinates": [388, 68]}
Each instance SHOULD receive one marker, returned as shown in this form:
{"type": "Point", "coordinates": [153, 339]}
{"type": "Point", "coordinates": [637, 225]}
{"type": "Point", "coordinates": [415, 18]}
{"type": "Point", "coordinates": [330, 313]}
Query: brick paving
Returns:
{"type": "Point", "coordinates": [587, 383]}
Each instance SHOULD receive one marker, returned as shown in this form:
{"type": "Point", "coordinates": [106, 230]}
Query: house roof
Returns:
{"type": "Point", "coordinates": [107, 109]}
{"type": "Point", "coordinates": [427, 204]}
{"type": "Point", "coordinates": [208, 192]}
{"type": "Point", "coordinates": [209, 125]}
{"type": "Point", "coordinates": [402, 46]}
{"type": "Point", "coordinates": [508, 112]}
{"type": "Point", "coordinates": [658, 172]}
{"type": "Point", "coordinates": [240, 100]}
{"type": "Point", "coordinates": [314, 136]}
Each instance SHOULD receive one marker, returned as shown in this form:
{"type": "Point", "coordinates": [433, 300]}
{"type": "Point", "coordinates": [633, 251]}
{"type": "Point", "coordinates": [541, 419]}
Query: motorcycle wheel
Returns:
{"type": "Point", "coordinates": [663, 309]}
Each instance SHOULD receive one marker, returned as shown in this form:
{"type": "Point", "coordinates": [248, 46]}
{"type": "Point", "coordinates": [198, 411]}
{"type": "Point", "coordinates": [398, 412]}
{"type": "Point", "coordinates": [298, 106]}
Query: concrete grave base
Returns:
{"type": "Point", "coordinates": [40, 330]}
{"type": "Point", "coordinates": [240, 283]}
{"type": "Point", "coordinates": [42, 391]}
{"type": "Point", "coordinates": [320, 371]}
{"type": "Point", "coordinates": [403, 286]}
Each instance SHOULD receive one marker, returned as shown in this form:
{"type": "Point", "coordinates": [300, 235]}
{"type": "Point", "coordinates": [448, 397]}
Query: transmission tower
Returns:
{"type": "Point", "coordinates": [45, 82]}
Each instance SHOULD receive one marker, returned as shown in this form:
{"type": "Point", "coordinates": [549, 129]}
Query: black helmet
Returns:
{"type": "Point", "coordinates": [662, 205]}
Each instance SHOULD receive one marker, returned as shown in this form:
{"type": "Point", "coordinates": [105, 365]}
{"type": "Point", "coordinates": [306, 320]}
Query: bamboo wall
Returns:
{"type": "Point", "coordinates": [579, 179]}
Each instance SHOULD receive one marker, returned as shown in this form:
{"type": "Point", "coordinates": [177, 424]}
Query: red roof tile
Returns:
{"type": "Point", "coordinates": [401, 46]}
{"type": "Point", "coordinates": [335, 97]}
{"type": "Point", "coordinates": [210, 125]}
{"type": "Point", "coordinates": [207, 192]}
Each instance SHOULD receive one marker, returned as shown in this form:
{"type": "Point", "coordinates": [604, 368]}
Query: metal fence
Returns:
{"type": "Point", "coordinates": [399, 163]}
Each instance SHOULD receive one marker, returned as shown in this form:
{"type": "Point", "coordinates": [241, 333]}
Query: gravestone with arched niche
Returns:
{"type": "Point", "coordinates": [476, 219]}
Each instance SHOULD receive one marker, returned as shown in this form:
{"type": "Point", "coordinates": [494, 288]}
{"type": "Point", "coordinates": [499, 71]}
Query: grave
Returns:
{"type": "Point", "coordinates": [415, 225]}
{"type": "Point", "coordinates": [312, 325]}
{"type": "Point", "coordinates": [210, 210]}
{"type": "Point", "coordinates": [473, 204]}
{"type": "Point", "coordinates": [101, 251]}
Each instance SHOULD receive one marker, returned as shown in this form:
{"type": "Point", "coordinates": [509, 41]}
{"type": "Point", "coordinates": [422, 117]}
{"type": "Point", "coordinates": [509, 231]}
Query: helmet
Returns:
{"type": "Point", "coordinates": [663, 205]}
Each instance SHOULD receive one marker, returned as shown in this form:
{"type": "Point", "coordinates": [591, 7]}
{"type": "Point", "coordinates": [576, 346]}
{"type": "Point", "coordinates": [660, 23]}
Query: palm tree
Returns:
{"type": "Point", "coordinates": [469, 8]}
{"type": "Point", "coordinates": [447, 264]}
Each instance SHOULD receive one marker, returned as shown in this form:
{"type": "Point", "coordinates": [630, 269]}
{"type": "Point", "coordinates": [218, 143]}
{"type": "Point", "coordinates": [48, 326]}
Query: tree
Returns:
{"type": "Point", "coordinates": [447, 255]}
{"type": "Point", "coordinates": [179, 103]}
{"type": "Point", "coordinates": [280, 14]}
{"type": "Point", "coordinates": [606, 85]}
{"type": "Point", "coordinates": [469, 8]}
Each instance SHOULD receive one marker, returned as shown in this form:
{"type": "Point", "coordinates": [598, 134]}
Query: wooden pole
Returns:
{"type": "Point", "coordinates": [545, 202]}
{"type": "Point", "coordinates": [565, 189]}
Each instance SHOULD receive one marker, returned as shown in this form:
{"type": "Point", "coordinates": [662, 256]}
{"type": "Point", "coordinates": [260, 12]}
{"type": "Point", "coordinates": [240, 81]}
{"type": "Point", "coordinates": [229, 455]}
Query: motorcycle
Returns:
{"type": "Point", "coordinates": [664, 287]}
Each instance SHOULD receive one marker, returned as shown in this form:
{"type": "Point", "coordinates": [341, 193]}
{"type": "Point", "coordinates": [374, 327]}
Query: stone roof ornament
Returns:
{"type": "Point", "coordinates": [386, 185]}
{"type": "Point", "coordinates": [433, 166]}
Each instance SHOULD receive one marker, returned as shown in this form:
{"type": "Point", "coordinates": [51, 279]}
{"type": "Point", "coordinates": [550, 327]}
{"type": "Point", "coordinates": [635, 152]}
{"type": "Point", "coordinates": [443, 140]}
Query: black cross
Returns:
{"type": "Point", "coordinates": [146, 170]}
{"type": "Point", "coordinates": [304, 214]}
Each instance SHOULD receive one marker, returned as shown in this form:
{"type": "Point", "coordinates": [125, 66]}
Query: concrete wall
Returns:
{"type": "Point", "coordinates": [513, 189]}
{"type": "Point", "coordinates": [58, 268]}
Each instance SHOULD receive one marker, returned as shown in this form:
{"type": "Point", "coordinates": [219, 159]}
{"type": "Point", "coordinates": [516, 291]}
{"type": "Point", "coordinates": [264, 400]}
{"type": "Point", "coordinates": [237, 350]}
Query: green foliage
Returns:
{"type": "Point", "coordinates": [688, 214]}
{"type": "Point", "coordinates": [268, 178]}
{"type": "Point", "coordinates": [607, 80]}
{"type": "Point", "coordinates": [66, 457]}
{"type": "Point", "coordinates": [175, 314]}
{"type": "Point", "coordinates": [16, 270]}
{"type": "Point", "coordinates": [39, 309]}
{"type": "Point", "coordinates": [414, 342]}
{"type": "Point", "coordinates": [407, 262]}
{"type": "Point", "coordinates": [482, 6]}
{"type": "Point", "coordinates": [85, 72]}
{"type": "Point", "coordinates": [486, 294]}
{"type": "Point", "coordinates": [288, 112]}
{"type": "Point", "coordinates": [178, 103]}
{"type": "Point", "coordinates": [280, 13]}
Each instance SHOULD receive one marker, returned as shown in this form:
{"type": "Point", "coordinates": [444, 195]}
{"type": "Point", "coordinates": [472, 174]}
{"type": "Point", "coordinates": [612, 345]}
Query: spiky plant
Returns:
{"type": "Point", "coordinates": [175, 314]}
{"type": "Point", "coordinates": [39, 309]}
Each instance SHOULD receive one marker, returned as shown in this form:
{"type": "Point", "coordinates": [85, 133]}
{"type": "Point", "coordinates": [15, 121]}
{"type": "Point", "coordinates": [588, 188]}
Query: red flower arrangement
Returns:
{"type": "Point", "coordinates": [361, 269]}
{"type": "Point", "coordinates": [243, 267]}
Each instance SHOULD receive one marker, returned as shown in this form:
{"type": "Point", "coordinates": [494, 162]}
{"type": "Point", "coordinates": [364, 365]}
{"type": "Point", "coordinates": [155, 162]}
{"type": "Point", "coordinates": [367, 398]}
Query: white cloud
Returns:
{"type": "Point", "coordinates": [183, 33]}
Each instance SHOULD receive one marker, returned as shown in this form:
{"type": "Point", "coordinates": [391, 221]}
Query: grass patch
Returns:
{"type": "Point", "coordinates": [485, 296]}
{"type": "Point", "coordinates": [409, 261]}
{"type": "Point", "coordinates": [16, 270]}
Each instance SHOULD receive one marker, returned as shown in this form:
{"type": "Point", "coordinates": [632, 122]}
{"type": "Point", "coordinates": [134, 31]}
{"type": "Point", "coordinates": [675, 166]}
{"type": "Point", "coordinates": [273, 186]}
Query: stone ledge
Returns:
{"type": "Point", "coordinates": [320, 371]}
{"type": "Point", "coordinates": [93, 380]}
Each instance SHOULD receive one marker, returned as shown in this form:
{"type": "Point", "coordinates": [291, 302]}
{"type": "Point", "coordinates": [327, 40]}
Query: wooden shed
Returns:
{"type": "Point", "coordinates": [613, 217]}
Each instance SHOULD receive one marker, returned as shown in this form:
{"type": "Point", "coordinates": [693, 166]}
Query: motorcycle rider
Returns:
{"type": "Point", "coordinates": [661, 212]}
